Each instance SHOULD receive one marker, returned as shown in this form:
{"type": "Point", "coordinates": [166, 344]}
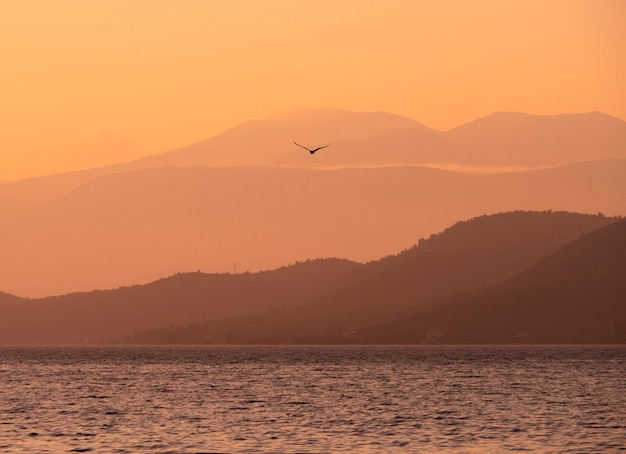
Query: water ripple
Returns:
{"type": "Point", "coordinates": [313, 399]}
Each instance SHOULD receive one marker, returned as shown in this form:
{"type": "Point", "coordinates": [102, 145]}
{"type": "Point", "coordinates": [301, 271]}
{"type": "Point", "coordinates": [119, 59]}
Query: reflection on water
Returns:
{"type": "Point", "coordinates": [312, 399]}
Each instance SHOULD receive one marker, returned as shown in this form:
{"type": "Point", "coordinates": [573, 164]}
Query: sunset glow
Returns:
{"type": "Point", "coordinates": [87, 83]}
{"type": "Point", "coordinates": [343, 226]}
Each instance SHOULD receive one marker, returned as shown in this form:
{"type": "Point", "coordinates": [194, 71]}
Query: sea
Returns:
{"type": "Point", "coordinates": [313, 399]}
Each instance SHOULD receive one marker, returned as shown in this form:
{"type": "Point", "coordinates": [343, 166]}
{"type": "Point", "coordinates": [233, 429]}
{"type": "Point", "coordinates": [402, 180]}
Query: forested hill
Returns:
{"type": "Point", "coordinates": [466, 257]}
{"type": "Point", "coordinates": [8, 298]}
{"type": "Point", "coordinates": [576, 295]}
{"type": "Point", "coordinates": [182, 298]}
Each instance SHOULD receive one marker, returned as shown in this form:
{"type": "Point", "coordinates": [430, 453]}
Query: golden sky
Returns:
{"type": "Point", "coordinates": [90, 82]}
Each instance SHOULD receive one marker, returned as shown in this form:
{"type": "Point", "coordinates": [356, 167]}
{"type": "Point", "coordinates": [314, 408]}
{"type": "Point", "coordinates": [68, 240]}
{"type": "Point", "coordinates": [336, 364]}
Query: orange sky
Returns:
{"type": "Point", "coordinates": [90, 82]}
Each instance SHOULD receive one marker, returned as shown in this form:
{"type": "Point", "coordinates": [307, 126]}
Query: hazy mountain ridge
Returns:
{"type": "Point", "coordinates": [182, 298]}
{"type": "Point", "coordinates": [137, 221]}
{"type": "Point", "coordinates": [261, 141]}
{"type": "Point", "coordinates": [407, 146]}
{"type": "Point", "coordinates": [466, 257]}
{"type": "Point", "coordinates": [500, 139]}
{"type": "Point", "coordinates": [135, 227]}
{"type": "Point", "coordinates": [511, 138]}
{"type": "Point", "coordinates": [503, 139]}
{"type": "Point", "coordinates": [372, 138]}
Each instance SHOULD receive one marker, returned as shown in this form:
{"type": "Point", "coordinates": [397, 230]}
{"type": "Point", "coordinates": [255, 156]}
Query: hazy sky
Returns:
{"type": "Point", "coordinates": [88, 82]}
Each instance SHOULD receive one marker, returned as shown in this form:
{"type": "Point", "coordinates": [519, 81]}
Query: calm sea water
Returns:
{"type": "Point", "coordinates": [312, 399]}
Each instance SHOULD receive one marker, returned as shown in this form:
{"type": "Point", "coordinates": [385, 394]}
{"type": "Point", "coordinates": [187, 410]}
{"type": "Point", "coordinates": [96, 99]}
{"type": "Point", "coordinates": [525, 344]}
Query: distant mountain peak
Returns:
{"type": "Point", "coordinates": [512, 115]}
{"type": "Point", "coordinates": [307, 111]}
{"type": "Point", "coordinates": [335, 114]}
{"type": "Point", "coordinates": [514, 138]}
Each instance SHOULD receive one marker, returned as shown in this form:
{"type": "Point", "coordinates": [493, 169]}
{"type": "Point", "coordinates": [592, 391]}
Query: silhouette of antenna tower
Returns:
{"type": "Point", "coordinates": [235, 267]}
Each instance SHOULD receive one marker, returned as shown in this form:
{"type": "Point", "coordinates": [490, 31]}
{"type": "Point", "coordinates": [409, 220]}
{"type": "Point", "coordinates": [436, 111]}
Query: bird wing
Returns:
{"type": "Point", "coordinates": [319, 148]}
{"type": "Point", "coordinates": [302, 146]}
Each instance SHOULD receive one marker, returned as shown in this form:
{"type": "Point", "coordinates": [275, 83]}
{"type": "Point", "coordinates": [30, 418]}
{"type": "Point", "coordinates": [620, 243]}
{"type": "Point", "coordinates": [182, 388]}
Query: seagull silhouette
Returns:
{"type": "Point", "coordinates": [312, 151]}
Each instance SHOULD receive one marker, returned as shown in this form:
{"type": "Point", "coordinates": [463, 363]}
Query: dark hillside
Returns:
{"type": "Point", "coordinates": [182, 298]}
{"type": "Point", "coordinates": [576, 295]}
{"type": "Point", "coordinates": [8, 298]}
{"type": "Point", "coordinates": [468, 256]}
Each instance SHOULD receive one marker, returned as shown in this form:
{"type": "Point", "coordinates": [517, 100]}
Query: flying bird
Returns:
{"type": "Point", "coordinates": [312, 151]}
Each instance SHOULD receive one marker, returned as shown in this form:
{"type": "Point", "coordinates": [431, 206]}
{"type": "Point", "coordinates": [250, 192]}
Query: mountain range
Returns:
{"type": "Point", "coordinates": [133, 227]}
{"type": "Point", "coordinates": [574, 295]}
{"type": "Point", "coordinates": [380, 138]}
{"type": "Point", "coordinates": [250, 196]}
{"type": "Point", "coordinates": [334, 300]}
{"type": "Point", "coordinates": [364, 139]}
{"type": "Point", "coordinates": [95, 316]}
